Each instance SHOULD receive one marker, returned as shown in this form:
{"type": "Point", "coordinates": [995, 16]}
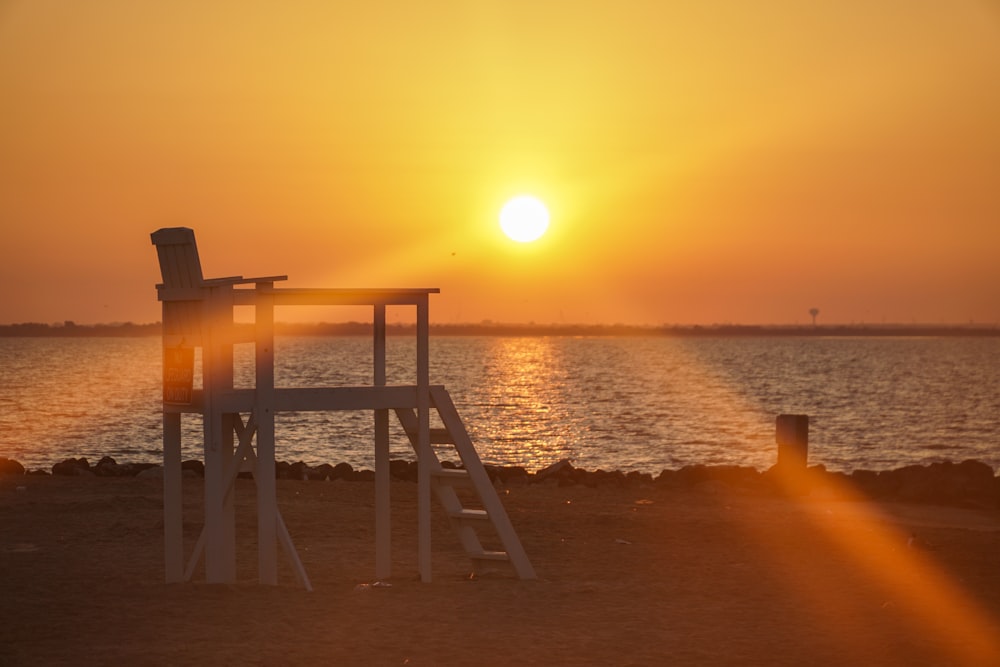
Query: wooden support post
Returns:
{"type": "Point", "coordinates": [792, 435]}
{"type": "Point", "coordinates": [383, 531]}
{"type": "Point", "coordinates": [264, 476]}
{"type": "Point", "coordinates": [215, 571]}
{"type": "Point", "coordinates": [173, 498]}
{"type": "Point", "coordinates": [425, 455]}
{"type": "Point", "coordinates": [217, 374]}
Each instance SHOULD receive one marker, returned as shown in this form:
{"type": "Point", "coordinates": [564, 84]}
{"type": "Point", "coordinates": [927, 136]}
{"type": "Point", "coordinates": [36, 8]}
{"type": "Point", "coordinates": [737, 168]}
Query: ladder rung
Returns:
{"type": "Point", "coordinates": [439, 436]}
{"type": "Point", "coordinates": [452, 475]}
{"type": "Point", "coordinates": [476, 515]}
{"type": "Point", "coordinates": [490, 555]}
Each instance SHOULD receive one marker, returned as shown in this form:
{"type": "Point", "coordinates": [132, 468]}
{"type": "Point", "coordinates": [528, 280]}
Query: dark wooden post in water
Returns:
{"type": "Point", "coordinates": [792, 434]}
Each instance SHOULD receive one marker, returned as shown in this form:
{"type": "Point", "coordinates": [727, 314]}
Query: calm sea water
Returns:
{"type": "Point", "coordinates": [644, 403]}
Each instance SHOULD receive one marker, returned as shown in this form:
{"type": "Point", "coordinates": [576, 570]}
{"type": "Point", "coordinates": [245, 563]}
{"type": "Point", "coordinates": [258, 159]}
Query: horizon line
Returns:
{"type": "Point", "coordinates": [359, 327]}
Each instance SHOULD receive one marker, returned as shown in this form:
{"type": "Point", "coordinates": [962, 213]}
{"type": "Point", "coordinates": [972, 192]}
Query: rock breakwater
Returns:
{"type": "Point", "coordinates": [970, 483]}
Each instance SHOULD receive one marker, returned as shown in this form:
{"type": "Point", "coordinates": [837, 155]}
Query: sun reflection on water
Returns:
{"type": "Point", "coordinates": [525, 376]}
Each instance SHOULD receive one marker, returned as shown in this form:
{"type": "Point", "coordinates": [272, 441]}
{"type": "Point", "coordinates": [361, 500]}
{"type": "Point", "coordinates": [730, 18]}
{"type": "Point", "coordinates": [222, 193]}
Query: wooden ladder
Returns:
{"type": "Point", "coordinates": [464, 520]}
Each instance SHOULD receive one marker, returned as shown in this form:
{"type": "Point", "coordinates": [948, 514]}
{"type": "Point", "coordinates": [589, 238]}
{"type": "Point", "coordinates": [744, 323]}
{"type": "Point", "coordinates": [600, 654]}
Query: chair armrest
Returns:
{"type": "Point", "coordinates": [227, 280]}
{"type": "Point", "coordinates": [265, 279]}
{"type": "Point", "coordinates": [240, 280]}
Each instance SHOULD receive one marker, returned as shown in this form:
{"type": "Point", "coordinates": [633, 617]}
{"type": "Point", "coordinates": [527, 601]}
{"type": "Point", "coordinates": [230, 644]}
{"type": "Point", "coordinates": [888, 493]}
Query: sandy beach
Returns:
{"type": "Point", "coordinates": [639, 574]}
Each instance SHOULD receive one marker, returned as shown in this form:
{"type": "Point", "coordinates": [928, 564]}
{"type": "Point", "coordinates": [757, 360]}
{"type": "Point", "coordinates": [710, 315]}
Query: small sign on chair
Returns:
{"type": "Point", "coordinates": [178, 374]}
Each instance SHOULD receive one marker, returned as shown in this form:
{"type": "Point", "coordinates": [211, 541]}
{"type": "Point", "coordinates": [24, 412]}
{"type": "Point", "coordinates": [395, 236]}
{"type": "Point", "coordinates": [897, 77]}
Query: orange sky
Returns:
{"type": "Point", "coordinates": [709, 162]}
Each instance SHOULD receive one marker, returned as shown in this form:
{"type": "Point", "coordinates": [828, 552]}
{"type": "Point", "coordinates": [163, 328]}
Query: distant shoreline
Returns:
{"type": "Point", "coordinates": [131, 330]}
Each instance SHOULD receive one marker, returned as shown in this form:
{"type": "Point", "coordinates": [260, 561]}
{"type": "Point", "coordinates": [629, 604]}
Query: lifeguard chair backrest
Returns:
{"type": "Point", "coordinates": [180, 267]}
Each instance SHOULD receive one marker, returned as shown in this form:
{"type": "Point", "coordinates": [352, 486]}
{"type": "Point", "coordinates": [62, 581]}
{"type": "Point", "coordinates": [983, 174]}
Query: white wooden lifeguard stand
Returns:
{"type": "Point", "coordinates": [198, 312]}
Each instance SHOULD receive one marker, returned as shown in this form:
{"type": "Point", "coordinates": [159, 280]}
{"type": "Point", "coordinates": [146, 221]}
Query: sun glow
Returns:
{"type": "Point", "coordinates": [524, 218]}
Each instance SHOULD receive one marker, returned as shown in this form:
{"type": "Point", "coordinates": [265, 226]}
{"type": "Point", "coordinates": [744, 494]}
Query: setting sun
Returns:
{"type": "Point", "coordinates": [524, 218]}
